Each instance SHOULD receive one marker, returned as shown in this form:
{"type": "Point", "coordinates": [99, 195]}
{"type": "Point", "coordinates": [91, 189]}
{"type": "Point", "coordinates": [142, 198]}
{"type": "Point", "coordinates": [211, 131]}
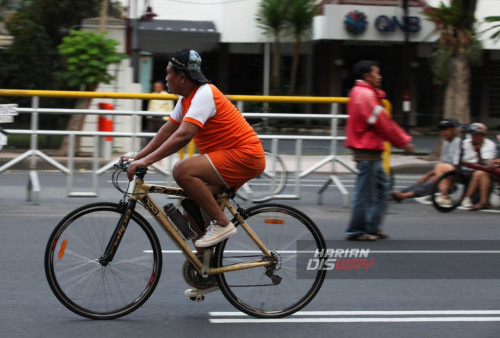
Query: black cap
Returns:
{"type": "Point", "coordinates": [448, 123]}
{"type": "Point", "coordinates": [189, 61]}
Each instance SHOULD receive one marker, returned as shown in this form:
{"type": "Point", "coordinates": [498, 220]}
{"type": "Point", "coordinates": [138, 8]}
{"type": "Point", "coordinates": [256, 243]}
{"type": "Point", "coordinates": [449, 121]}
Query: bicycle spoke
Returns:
{"type": "Point", "coordinates": [255, 292]}
{"type": "Point", "coordinates": [82, 283]}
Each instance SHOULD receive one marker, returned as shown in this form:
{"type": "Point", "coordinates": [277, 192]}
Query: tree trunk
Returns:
{"type": "Point", "coordinates": [295, 65]}
{"type": "Point", "coordinates": [457, 94]}
{"type": "Point", "coordinates": [75, 123]}
{"type": "Point", "coordinates": [276, 64]}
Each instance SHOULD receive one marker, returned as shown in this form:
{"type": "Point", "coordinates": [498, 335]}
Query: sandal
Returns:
{"type": "Point", "coordinates": [363, 237]}
{"type": "Point", "coordinates": [479, 206]}
{"type": "Point", "coordinates": [380, 235]}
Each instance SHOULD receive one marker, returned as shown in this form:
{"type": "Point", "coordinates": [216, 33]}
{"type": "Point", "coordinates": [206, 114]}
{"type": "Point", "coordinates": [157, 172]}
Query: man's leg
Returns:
{"type": "Point", "coordinates": [444, 185]}
{"type": "Point", "coordinates": [361, 199]}
{"type": "Point", "coordinates": [199, 179]}
{"type": "Point", "coordinates": [484, 183]}
{"type": "Point", "coordinates": [484, 187]}
{"type": "Point", "coordinates": [378, 208]}
{"type": "Point", "coordinates": [473, 184]}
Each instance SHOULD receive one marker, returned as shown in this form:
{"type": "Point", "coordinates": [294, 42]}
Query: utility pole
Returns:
{"type": "Point", "coordinates": [104, 15]}
{"type": "Point", "coordinates": [406, 67]}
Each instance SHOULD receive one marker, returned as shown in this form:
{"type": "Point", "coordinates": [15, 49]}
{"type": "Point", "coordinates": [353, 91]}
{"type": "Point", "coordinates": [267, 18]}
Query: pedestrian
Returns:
{"type": "Point", "coordinates": [368, 127]}
{"type": "Point", "coordinates": [154, 123]}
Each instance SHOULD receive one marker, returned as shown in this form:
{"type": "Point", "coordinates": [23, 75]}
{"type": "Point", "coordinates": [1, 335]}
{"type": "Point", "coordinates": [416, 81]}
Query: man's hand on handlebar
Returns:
{"type": "Point", "coordinates": [132, 167]}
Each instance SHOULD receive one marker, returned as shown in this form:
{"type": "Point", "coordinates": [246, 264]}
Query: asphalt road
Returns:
{"type": "Point", "coordinates": [450, 294]}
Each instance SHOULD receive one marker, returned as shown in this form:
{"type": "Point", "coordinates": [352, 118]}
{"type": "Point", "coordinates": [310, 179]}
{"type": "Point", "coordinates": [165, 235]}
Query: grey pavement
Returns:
{"type": "Point", "coordinates": [389, 307]}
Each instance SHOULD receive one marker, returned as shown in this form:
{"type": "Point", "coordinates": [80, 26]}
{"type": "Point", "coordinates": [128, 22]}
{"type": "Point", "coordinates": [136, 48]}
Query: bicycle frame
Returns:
{"type": "Point", "coordinates": [140, 192]}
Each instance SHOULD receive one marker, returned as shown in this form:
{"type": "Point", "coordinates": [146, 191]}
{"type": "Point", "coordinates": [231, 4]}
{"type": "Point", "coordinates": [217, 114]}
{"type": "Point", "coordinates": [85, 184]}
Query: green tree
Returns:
{"type": "Point", "coordinates": [271, 19]}
{"type": "Point", "coordinates": [86, 57]}
{"type": "Point", "coordinates": [490, 19]}
{"type": "Point", "coordinates": [457, 48]}
{"type": "Point", "coordinates": [299, 17]}
{"type": "Point", "coordinates": [37, 28]}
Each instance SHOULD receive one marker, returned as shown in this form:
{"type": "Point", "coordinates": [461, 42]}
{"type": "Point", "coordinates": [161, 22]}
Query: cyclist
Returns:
{"type": "Point", "coordinates": [230, 151]}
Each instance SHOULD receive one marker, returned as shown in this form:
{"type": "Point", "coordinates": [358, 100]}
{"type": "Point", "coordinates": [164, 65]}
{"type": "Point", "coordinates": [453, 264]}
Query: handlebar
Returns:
{"type": "Point", "coordinates": [495, 170]}
{"type": "Point", "coordinates": [122, 165]}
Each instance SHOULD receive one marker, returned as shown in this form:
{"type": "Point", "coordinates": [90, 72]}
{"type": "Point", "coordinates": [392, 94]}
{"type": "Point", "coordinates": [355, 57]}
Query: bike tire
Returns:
{"type": "Point", "coordinates": [271, 182]}
{"type": "Point", "coordinates": [293, 237]}
{"type": "Point", "coordinates": [456, 191]}
{"type": "Point", "coordinates": [85, 286]}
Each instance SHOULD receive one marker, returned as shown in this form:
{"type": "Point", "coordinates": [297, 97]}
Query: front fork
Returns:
{"type": "Point", "coordinates": [126, 210]}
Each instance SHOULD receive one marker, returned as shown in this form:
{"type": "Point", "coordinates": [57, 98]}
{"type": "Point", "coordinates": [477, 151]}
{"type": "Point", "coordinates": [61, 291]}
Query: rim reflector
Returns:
{"type": "Point", "coordinates": [274, 221]}
{"type": "Point", "coordinates": [62, 249]}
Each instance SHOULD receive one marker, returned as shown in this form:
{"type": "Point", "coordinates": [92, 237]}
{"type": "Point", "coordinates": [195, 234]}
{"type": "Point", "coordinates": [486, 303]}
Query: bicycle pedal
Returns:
{"type": "Point", "coordinates": [199, 297]}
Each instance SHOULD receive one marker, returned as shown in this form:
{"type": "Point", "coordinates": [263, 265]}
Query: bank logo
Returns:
{"type": "Point", "coordinates": [355, 22]}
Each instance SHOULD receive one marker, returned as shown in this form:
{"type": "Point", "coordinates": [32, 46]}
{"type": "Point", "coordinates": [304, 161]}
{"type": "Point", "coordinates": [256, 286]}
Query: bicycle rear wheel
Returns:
{"type": "Point", "coordinates": [271, 182]}
{"type": "Point", "coordinates": [457, 186]}
{"type": "Point", "coordinates": [286, 286]}
{"type": "Point", "coordinates": [87, 287]}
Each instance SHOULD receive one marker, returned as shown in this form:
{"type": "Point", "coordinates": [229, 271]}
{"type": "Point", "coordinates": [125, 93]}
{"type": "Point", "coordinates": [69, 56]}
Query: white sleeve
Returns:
{"type": "Point", "coordinates": [488, 151]}
{"type": "Point", "coordinates": [176, 114]}
{"type": "Point", "coordinates": [455, 150]}
{"type": "Point", "coordinates": [469, 154]}
{"type": "Point", "coordinates": [203, 105]}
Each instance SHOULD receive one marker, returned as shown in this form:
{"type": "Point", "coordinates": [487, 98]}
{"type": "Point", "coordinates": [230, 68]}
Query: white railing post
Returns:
{"type": "Point", "coordinates": [35, 104]}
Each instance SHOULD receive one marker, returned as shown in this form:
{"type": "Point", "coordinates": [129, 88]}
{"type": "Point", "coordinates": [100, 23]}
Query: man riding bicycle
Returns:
{"type": "Point", "coordinates": [230, 151]}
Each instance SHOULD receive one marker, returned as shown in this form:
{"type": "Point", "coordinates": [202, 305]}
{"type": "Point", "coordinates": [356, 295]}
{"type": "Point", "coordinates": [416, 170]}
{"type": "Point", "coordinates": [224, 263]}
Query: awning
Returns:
{"type": "Point", "coordinates": [167, 36]}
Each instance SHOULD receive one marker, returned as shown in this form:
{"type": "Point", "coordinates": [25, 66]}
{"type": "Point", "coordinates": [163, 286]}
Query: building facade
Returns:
{"type": "Point", "coordinates": [237, 55]}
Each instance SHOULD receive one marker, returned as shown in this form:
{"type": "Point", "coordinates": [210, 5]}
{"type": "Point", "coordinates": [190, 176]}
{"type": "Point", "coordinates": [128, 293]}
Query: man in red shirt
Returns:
{"type": "Point", "coordinates": [368, 127]}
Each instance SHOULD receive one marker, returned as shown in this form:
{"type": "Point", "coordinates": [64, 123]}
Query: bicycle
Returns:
{"type": "Point", "coordinates": [268, 184]}
{"type": "Point", "coordinates": [104, 260]}
{"type": "Point", "coordinates": [455, 180]}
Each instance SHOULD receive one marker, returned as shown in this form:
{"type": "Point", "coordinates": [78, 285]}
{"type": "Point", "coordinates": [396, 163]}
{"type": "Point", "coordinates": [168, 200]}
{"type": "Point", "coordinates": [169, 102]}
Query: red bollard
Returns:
{"type": "Point", "coordinates": [105, 124]}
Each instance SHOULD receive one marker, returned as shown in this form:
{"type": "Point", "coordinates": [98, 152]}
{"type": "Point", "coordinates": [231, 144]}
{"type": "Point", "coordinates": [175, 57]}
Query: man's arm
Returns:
{"type": "Point", "coordinates": [161, 136]}
{"type": "Point", "coordinates": [161, 149]}
{"type": "Point", "coordinates": [385, 126]}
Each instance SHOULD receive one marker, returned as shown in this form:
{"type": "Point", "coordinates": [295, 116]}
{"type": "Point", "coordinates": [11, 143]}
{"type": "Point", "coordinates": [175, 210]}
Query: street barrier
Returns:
{"type": "Point", "coordinates": [69, 169]}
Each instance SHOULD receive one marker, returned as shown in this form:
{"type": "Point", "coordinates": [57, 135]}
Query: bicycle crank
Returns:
{"type": "Point", "coordinates": [194, 278]}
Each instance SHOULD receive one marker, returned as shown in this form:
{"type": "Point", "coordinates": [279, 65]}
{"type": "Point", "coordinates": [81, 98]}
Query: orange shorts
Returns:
{"type": "Point", "coordinates": [235, 166]}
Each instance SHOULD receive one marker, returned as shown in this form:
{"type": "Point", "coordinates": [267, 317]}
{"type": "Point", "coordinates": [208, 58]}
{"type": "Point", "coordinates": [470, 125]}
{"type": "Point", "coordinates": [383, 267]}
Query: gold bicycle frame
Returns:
{"type": "Point", "coordinates": [140, 192]}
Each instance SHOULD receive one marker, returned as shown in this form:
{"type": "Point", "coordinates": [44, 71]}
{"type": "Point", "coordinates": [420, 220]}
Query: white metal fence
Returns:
{"type": "Point", "coordinates": [33, 153]}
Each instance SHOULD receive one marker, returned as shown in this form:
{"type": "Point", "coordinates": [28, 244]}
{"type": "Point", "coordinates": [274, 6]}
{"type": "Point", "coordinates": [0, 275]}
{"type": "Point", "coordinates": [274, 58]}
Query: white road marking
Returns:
{"type": "Point", "coordinates": [363, 317]}
{"type": "Point", "coordinates": [368, 313]}
{"type": "Point", "coordinates": [355, 320]}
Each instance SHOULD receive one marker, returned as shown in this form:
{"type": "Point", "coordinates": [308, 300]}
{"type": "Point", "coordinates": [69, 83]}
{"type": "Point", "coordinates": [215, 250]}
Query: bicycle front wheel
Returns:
{"type": "Point", "coordinates": [82, 283]}
{"type": "Point", "coordinates": [284, 287]}
{"type": "Point", "coordinates": [455, 184]}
